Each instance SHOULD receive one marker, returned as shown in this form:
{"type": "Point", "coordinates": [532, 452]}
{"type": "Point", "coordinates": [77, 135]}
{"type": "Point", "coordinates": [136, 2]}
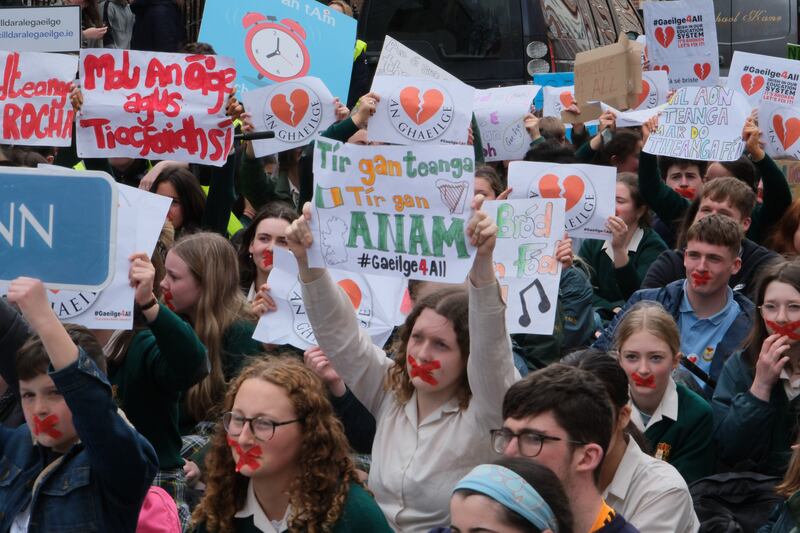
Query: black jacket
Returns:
{"type": "Point", "coordinates": [158, 26]}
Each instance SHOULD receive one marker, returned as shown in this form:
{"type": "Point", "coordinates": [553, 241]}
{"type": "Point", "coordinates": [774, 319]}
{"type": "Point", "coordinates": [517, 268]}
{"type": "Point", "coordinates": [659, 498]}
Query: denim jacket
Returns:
{"type": "Point", "coordinates": [99, 484]}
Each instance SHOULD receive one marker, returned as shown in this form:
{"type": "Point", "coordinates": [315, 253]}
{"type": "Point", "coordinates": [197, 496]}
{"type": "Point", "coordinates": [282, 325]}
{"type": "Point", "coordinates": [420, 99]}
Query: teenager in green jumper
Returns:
{"type": "Point", "coordinates": [279, 460]}
{"type": "Point", "coordinates": [676, 421]}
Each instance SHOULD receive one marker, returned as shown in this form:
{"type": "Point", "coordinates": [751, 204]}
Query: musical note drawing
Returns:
{"type": "Point", "coordinates": [544, 303]}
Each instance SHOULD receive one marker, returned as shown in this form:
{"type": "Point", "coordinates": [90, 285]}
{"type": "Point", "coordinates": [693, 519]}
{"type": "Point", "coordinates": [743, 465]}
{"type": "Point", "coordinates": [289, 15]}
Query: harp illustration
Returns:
{"type": "Point", "coordinates": [454, 194]}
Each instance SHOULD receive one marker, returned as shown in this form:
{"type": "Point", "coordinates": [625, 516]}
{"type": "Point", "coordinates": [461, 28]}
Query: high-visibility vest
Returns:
{"type": "Point", "coordinates": [234, 224]}
{"type": "Point", "coordinates": [361, 47]}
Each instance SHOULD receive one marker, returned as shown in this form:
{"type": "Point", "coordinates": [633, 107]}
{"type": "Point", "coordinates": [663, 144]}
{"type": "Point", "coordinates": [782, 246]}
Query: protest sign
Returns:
{"type": "Point", "coordinates": [628, 119]}
{"type": "Point", "coordinates": [281, 41]}
{"type": "Point", "coordinates": [34, 98]}
{"type": "Point", "coordinates": [702, 123]}
{"type": "Point", "coordinates": [155, 106]}
{"type": "Point", "coordinates": [60, 228]}
{"type": "Point", "coordinates": [610, 74]}
{"type": "Point", "coordinates": [393, 211]}
{"type": "Point", "coordinates": [655, 87]}
{"type": "Point", "coordinates": [682, 39]}
{"type": "Point", "coordinates": [551, 79]}
{"type": "Point", "coordinates": [399, 60]}
{"type": "Point", "coordinates": [528, 232]}
{"type": "Point", "coordinates": [589, 191]}
{"type": "Point", "coordinates": [780, 125]}
{"type": "Point", "coordinates": [374, 299]}
{"type": "Point", "coordinates": [500, 115]}
{"type": "Point", "coordinates": [557, 99]}
{"type": "Point", "coordinates": [764, 78]}
{"type": "Point", "coordinates": [41, 29]}
{"type": "Point", "coordinates": [418, 110]}
{"type": "Point", "coordinates": [297, 111]}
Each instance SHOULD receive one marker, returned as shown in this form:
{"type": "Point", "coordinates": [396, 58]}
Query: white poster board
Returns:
{"type": "Point", "coordinates": [399, 60]}
{"type": "Point", "coordinates": [500, 115]}
{"type": "Point", "coordinates": [764, 78]}
{"type": "Point", "coordinates": [780, 126]}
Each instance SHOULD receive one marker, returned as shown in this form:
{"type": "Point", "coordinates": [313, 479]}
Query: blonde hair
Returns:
{"type": "Point", "coordinates": [652, 318]}
{"type": "Point", "coordinates": [212, 261]}
{"type": "Point", "coordinates": [791, 480]}
{"type": "Point", "coordinates": [319, 492]}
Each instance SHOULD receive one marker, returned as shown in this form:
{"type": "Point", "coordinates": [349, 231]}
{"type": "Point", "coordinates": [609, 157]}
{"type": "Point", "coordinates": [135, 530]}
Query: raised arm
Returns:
{"type": "Point", "coordinates": [667, 204]}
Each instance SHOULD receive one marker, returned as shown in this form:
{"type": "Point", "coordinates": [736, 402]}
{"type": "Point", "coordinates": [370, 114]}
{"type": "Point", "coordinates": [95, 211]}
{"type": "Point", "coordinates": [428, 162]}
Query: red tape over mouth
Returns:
{"type": "Point", "coordinates": [246, 458]}
{"type": "Point", "coordinates": [687, 192]}
{"type": "Point", "coordinates": [789, 329]}
{"type": "Point", "coordinates": [424, 371]}
{"type": "Point", "coordinates": [701, 278]}
{"type": "Point", "coordinates": [47, 426]}
{"type": "Point", "coordinates": [266, 255]}
{"type": "Point", "coordinates": [648, 382]}
{"type": "Point", "coordinates": [168, 300]}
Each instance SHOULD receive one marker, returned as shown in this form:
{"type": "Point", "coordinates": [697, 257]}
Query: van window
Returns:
{"type": "Point", "coordinates": [457, 29]}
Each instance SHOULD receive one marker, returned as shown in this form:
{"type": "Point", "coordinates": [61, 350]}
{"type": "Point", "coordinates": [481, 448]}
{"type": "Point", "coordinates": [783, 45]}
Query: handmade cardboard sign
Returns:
{"type": "Point", "coordinates": [155, 106]}
{"type": "Point", "coordinates": [765, 78]}
{"type": "Point", "coordinates": [780, 126]}
{"type": "Point", "coordinates": [60, 228]}
{"type": "Point", "coordinates": [297, 111]}
{"type": "Point", "coordinates": [41, 29]}
{"type": "Point", "coordinates": [374, 299]}
{"type": "Point", "coordinates": [34, 98]}
{"type": "Point", "coordinates": [528, 232]}
{"type": "Point", "coordinates": [500, 115]}
{"type": "Point", "coordinates": [419, 111]}
{"type": "Point", "coordinates": [393, 211]}
{"type": "Point", "coordinates": [702, 123]}
{"type": "Point", "coordinates": [587, 189]}
{"type": "Point", "coordinates": [682, 40]}
{"type": "Point", "coordinates": [611, 74]}
{"type": "Point", "coordinates": [273, 42]}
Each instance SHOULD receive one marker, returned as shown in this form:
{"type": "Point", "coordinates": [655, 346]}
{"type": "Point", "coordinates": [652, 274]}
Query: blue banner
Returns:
{"type": "Point", "coordinates": [551, 79]}
{"type": "Point", "coordinates": [59, 227]}
{"type": "Point", "coordinates": [282, 40]}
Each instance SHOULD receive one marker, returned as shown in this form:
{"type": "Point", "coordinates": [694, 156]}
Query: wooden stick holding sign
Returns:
{"type": "Point", "coordinates": [610, 74]}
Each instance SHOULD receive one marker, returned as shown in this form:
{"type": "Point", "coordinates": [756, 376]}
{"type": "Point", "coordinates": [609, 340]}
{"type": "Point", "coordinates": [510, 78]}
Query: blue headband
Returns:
{"type": "Point", "coordinates": [510, 490]}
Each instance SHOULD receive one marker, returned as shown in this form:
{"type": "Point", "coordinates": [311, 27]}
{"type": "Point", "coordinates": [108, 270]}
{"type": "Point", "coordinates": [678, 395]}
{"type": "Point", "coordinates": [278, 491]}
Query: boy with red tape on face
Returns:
{"type": "Point", "coordinates": [76, 465]}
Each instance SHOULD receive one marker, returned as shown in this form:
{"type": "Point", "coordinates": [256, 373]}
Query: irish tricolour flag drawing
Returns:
{"type": "Point", "coordinates": [325, 198]}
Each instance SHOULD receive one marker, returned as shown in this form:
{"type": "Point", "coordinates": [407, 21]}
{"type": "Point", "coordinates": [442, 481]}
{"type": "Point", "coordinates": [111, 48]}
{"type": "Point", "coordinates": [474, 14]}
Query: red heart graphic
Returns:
{"type": "Point", "coordinates": [566, 99]}
{"type": "Point", "coordinates": [572, 193]}
{"type": "Point", "coordinates": [293, 110]}
{"type": "Point", "coordinates": [751, 84]}
{"type": "Point", "coordinates": [702, 70]}
{"type": "Point", "coordinates": [692, 358]}
{"type": "Point", "coordinates": [788, 132]}
{"type": "Point", "coordinates": [352, 290]}
{"type": "Point", "coordinates": [665, 36]}
{"type": "Point", "coordinates": [644, 94]}
{"type": "Point", "coordinates": [432, 100]}
{"type": "Point", "coordinates": [665, 68]}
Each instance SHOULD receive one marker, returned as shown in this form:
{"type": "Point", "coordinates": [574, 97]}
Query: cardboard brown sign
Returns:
{"type": "Point", "coordinates": [611, 74]}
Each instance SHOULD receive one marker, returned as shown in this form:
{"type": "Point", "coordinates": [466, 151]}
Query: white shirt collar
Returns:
{"type": "Point", "coordinates": [667, 408]}
{"type": "Point", "coordinates": [632, 246]}
{"type": "Point", "coordinates": [623, 477]}
{"type": "Point", "coordinates": [260, 518]}
{"type": "Point", "coordinates": [792, 388]}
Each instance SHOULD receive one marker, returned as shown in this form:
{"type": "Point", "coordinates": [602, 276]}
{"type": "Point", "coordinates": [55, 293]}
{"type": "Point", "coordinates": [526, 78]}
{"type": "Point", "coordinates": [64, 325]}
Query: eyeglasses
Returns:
{"type": "Point", "coordinates": [529, 442]}
{"type": "Point", "coordinates": [261, 428]}
{"type": "Point", "coordinates": [771, 310]}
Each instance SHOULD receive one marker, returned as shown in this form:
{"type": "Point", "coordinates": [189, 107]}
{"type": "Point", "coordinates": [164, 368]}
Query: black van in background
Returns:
{"type": "Point", "coordinates": [504, 42]}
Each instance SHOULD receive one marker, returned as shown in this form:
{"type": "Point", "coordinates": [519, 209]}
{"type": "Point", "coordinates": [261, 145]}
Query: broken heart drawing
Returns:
{"type": "Point", "coordinates": [787, 130]}
{"type": "Point", "coordinates": [751, 84]}
{"type": "Point", "coordinates": [420, 110]}
{"type": "Point", "coordinates": [664, 36]}
{"type": "Point", "coordinates": [571, 188]}
{"type": "Point", "coordinates": [292, 110]}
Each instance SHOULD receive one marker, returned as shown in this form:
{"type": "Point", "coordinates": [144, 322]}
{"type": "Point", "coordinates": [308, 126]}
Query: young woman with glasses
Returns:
{"type": "Point", "coordinates": [279, 460]}
{"type": "Point", "coordinates": [757, 398]}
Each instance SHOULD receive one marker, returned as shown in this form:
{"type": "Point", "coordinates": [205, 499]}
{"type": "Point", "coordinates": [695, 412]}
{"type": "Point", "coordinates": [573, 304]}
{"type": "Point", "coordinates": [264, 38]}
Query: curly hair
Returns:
{"type": "Point", "coordinates": [451, 303]}
{"type": "Point", "coordinates": [318, 494]}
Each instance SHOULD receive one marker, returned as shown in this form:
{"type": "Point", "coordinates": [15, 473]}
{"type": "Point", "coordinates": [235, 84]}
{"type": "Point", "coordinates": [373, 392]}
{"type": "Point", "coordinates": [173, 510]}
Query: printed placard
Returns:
{"type": "Point", "coordinates": [273, 42]}
{"type": "Point", "coordinates": [41, 29]}
{"type": "Point", "coordinates": [701, 123]}
{"type": "Point", "coordinates": [655, 87]}
{"type": "Point", "coordinates": [374, 300]}
{"type": "Point", "coordinates": [419, 111]}
{"type": "Point", "coordinates": [557, 99]}
{"type": "Point", "coordinates": [764, 78]}
{"type": "Point", "coordinates": [393, 210]}
{"type": "Point", "coordinates": [297, 111]}
{"type": "Point", "coordinates": [399, 60]}
{"type": "Point", "coordinates": [155, 106]}
{"type": "Point", "coordinates": [682, 39]}
{"type": "Point", "coordinates": [780, 125]}
{"type": "Point", "coordinates": [58, 227]}
{"type": "Point", "coordinates": [34, 98]}
{"type": "Point", "coordinates": [589, 191]}
{"type": "Point", "coordinates": [528, 232]}
{"type": "Point", "coordinates": [551, 79]}
{"type": "Point", "coordinates": [500, 114]}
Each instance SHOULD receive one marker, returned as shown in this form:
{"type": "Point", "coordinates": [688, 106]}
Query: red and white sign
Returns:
{"type": "Point", "coordinates": [682, 40]}
{"type": "Point", "coordinates": [780, 125]}
{"type": "Point", "coordinates": [35, 98]}
{"type": "Point", "coordinates": [765, 79]}
{"type": "Point", "coordinates": [155, 106]}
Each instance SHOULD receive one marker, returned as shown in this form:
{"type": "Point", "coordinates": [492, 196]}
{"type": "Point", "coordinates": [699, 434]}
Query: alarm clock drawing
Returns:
{"type": "Point", "coordinates": [277, 50]}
